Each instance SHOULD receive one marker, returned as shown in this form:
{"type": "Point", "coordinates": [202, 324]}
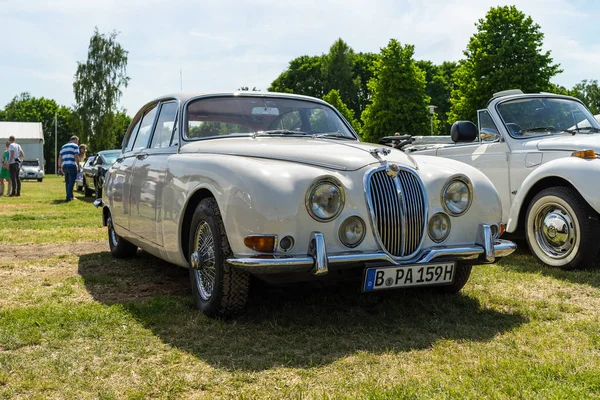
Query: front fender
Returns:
{"type": "Point", "coordinates": [581, 174]}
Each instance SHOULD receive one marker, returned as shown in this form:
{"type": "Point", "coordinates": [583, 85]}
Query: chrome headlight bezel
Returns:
{"type": "Point", "coordinates": [467, 183]}
{"type": "Point", "coordinates": [446, 219]}
{"type": "Point", "coordinates": [310, 193]}
{"type": "Point", "coordinates": [344, 224]}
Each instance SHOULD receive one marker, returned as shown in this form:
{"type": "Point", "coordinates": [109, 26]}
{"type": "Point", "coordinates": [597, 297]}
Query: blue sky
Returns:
{"type": "Point", "coordinates": [223, 45]}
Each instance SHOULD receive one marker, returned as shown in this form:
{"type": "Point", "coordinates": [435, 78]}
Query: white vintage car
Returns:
{"type": "Point", "coordinates": [541, 153]}
{"type": "Point", "coordinates": [280, 187]}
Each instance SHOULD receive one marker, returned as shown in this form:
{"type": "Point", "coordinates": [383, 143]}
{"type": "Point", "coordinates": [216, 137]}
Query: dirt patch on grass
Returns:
{"type": "Point", "coordinates": [33, 252]}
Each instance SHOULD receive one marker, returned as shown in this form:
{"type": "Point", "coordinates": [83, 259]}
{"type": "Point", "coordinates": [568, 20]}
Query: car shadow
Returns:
{"type": "Point", "coordinates": [298, 325]}
{"type": "Point", "coordinates": [523, 262]}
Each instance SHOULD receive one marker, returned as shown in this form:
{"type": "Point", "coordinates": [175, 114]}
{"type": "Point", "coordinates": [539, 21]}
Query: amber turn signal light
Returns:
{"type": "Point", "coordinates": [262, 243]}
{"type": "Point", "coordinates": [586, 154]}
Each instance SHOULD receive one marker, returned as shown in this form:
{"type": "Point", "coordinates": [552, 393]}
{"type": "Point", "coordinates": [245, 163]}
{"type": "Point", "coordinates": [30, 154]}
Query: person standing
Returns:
{"type": "Point", "coordinates": [4, 174]}
{"type": "Point", "coordinates": [15, 158]}
{"type": "Point", "coordinates": [68, 162]}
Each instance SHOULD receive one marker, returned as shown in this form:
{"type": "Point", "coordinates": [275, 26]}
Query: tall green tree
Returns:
{"type": "Point", "coordinates": [338, 73]}
{"type": "Point", "coordinates": [505, 53]}
{"type": "Point", "coordinates": [303, 76]}
{"type": "Point", "coordinates": [439, 88]}
{"type": "Point", "coordinates": [25, 108]}
{"type": "Point", "coordinates": [334, 98]}
{"type": "Point", "coordinates": [588, 91]}
{"type": "Point", "coordinates": [98, 88]}
{"type": "Point", "coordinates": [363, 71]}
{"type": "Point", "coordinates": [399, 99]}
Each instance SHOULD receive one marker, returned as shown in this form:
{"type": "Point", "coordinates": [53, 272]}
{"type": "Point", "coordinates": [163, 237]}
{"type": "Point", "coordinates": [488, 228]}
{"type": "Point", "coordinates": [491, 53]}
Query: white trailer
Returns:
{"type": "Point", "coordinates": [29, 135]}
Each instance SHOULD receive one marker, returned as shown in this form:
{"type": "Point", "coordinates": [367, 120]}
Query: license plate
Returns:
{"type": "Point", "coordinates": [408, 276]}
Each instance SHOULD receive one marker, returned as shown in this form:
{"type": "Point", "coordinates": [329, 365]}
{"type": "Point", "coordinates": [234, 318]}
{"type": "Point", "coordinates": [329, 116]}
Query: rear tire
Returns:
{"type": "Point", "coordinates": [119, 247]}
{"type": "Point", "coordinates": [217, 287]}
{"type": "Point", "coordinates": [87, 191]}
{"type": "Point", "coordinates": [461, 277]}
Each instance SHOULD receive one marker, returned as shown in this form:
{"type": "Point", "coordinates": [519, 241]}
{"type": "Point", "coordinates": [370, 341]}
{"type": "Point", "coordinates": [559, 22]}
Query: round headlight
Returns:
{"type": "Point", "coordinates": [325, 200]}
{"type": "Point", "coordinates": [457, 196]}
{"type": "Point", "coordinates": [352, 231]}
{"type": "Point", "coordinates": [439, 227]}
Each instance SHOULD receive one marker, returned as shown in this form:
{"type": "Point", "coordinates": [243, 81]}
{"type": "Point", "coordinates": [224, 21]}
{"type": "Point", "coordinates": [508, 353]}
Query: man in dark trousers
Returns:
{"type": "Point", "coordinates": [15, 158]}
{"type": "Point", "coordinates": [68, 162]}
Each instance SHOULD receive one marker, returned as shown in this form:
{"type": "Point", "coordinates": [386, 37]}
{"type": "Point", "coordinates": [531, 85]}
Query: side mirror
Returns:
{"type": "Point", "coordinates": [463, 132]}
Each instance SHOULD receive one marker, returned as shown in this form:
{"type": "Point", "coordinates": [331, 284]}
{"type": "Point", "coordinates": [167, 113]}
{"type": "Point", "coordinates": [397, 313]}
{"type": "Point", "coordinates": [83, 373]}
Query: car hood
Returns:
{"type": "Point", "coordinates": [576, 142]}
{"type": "Point", "coordinates": [329, 153]}
{"type": "Point", "coordinates": [30, 169]}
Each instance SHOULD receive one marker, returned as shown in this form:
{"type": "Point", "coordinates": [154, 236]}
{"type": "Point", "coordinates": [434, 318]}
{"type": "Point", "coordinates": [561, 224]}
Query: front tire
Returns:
{"type": "Point", "coordinates": [119, 247]}
{"type": "Point", "coordinates": [562, 229]}
{"type": "Point", "coordinates": [461, 277]}
{"type": "Point", "coordinates": [217, 287]}
{"type": "Point", "coordinates": [87, 191]}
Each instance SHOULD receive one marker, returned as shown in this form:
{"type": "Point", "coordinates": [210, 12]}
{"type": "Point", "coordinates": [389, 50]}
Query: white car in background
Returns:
{"type": "Point", "coordinates": [31, 169]}
{"type": "Point", "coordinates": [279, 186]}
{"type": "Point", "coordinates": [541, 153]}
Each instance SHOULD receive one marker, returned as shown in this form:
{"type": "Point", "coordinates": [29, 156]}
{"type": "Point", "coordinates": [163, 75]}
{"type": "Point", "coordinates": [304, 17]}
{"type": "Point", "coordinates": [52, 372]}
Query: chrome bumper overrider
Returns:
{"type": "Point", "coordinates": [485, 251]}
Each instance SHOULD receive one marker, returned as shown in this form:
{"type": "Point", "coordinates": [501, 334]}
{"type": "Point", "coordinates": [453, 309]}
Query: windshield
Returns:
{"type": "Point", "coordinates": [30, 163]}
{"type": "Point", "coordinates": [223, 116]}
{"type": "Point", "coordinates": [544, 116]}
{"type": "Point", "coordinates": [110, 158]}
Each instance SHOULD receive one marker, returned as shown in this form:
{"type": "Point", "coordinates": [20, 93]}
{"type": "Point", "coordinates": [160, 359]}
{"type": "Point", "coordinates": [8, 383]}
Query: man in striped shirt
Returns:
{"type": "Point", "coordinates": [68, 162]}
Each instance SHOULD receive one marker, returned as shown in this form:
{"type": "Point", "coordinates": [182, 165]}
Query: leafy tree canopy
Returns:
{"type": "Point", "coordinates": [334, 98]}
{"type": "Point", "coordinates": [588, 91]}
{"type": "Point", "coordinates": [338, 73]}
{"type": "Point", "coordinates": [505, 53]}
{"type": "Point", "coordinates": [303, 76]}
{"type": "Point", "coordinates": [399, 101]}
{"type": "Point", "coordinates": [97, 89]}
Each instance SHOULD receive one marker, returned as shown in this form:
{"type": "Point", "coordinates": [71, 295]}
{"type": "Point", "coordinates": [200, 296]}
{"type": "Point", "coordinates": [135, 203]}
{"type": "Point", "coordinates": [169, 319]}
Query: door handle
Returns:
{"type": "Point", "coordinates": [141, 156]}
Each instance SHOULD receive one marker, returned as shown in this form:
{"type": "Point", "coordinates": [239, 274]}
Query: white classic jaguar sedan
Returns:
{"type": "Point", "coordinates": [279, 186]}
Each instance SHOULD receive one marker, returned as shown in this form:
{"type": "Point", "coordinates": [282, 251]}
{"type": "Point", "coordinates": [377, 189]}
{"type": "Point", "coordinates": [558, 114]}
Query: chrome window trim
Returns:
{"type": "Point", "coordinates": [184, 126]}
{"type": "Point", "coordinates": [371, 210]}
{"type": "Point", "coordinates": [161, 103]}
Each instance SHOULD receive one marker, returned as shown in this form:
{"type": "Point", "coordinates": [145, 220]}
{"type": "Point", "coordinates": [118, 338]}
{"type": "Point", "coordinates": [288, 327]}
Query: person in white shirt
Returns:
{"type": "Point", "coordinates": [15, 158]}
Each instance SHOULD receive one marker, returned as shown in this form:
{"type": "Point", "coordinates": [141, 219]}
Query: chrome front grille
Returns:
{"type": "Point", "coordinates": [398, 209]}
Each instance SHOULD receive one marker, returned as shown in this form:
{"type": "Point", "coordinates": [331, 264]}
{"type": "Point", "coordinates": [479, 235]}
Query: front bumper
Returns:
{"type": "Point", "coordinates": [317, 260]}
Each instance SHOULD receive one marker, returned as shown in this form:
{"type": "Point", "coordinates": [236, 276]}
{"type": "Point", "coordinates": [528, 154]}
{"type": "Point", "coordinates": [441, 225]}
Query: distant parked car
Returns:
{"type": "Point", "coordinates": [93, 173]}
{"type": "Point", "coordinates": [79, 184]}
{"type": "Point", "coordinates": [32, 169]}
{"type": "Point", "coordinates": [279, 186]}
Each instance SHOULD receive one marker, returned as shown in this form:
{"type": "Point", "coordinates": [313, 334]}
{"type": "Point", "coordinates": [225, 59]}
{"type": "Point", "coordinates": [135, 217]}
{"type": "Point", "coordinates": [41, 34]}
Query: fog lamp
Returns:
{"type": "Point", "coordinates": [439, 227]}
{"type": "Point", "coordinates": [352, 231]}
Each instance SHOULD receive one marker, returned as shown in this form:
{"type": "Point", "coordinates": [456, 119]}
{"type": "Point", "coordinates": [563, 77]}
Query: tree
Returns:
{"type": "Point", "coordinates": [505, 53]}
{"type": "Point", "coordinates": [338, 73]}
{"type": "Point", "coordinates": [589, 93]}
{"type": "Point", "coordinates": [303, 76]}
{"type": "Point", "coordinates": [25, 108]}
{"type": "Point", "coordinates": [363, 71]}
{"type": "Point", "coordinates": [399, 99]}
{"type": "Point", "coordinates": [439, 88]}
{"type": "Point", "coordinates": [97, 89]}
{"type": "Point", "coordinates": [333, 98]}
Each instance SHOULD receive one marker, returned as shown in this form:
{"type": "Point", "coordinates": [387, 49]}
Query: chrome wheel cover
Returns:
{"type": "Point", "coordinates": [203, 260]}
{"type": "Point", "coordinates": [555, 231]}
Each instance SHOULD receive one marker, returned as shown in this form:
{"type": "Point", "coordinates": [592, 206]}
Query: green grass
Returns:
{"type": "Point", "coordinates": [76, 323]}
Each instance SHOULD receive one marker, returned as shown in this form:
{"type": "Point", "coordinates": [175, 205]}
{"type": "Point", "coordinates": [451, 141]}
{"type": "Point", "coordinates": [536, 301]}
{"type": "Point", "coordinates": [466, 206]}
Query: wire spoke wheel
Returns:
{"type": "Point", "coordinates": [204, 256]}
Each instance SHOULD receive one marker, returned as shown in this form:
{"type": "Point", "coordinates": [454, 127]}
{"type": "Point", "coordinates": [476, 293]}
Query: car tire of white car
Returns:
{"type": "Point", "coordinates": [119, 247]}
{"type": "Point", "coordinates": [562, 229]}
{"type": "Point", "coordinates": [217, 287]}
{"type": "Point", "coordinates": [461, 276]}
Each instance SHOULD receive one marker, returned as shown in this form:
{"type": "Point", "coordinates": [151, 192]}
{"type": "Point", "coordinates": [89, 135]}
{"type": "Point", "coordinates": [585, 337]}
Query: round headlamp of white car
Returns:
{"type": "Point", "coordinates": [457, 196]}
{"type": "Point", "coordinates": [439, 227]}
{"type": "Point", "coordinates": [352, 231]}
{"type": "Point", "coordinates": [325, 200]}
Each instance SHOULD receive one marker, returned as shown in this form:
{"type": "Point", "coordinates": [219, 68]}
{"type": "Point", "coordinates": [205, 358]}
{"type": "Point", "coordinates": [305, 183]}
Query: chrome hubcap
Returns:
{"type": "Point", "coordinates": [203, 260]}
{"type": "Point", "coordinates": [555, 231]}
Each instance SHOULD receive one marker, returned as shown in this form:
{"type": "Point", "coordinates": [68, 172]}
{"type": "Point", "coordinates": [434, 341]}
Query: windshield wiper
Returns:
{"type": "Point", "coordinates": [331, 134]}
{"type": "Point", "coordinates": [577, 130]}
{"type": "Point", "coordinates": [538, 129]}
{"type": "Point", "coordinates": [280, 132]}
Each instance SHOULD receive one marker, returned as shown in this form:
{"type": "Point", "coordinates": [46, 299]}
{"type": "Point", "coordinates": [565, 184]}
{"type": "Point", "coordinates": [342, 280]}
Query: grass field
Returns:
{"type": "Point", "coordinates": [77, 324]}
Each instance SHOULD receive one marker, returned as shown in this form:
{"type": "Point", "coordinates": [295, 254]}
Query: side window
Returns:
{"type": "Point", "coordinates": [141, 140]}
{"type": "Point", "coordinates": [164, 125]}
{"type": "Point", "coordinates": [488, 132]}
{"type": "Point", "coordinates": [128, 140]}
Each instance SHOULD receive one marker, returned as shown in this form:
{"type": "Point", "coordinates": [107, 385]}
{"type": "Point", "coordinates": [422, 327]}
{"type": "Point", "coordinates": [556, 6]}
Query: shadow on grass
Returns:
{"type": "Point", "coordinates": [523, 262]}
{"type": "Point", "coordinates": [294, 326]}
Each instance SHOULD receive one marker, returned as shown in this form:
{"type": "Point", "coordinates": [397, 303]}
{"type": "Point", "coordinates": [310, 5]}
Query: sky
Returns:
{"type": "Point", "coordinates": [224, 45]}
